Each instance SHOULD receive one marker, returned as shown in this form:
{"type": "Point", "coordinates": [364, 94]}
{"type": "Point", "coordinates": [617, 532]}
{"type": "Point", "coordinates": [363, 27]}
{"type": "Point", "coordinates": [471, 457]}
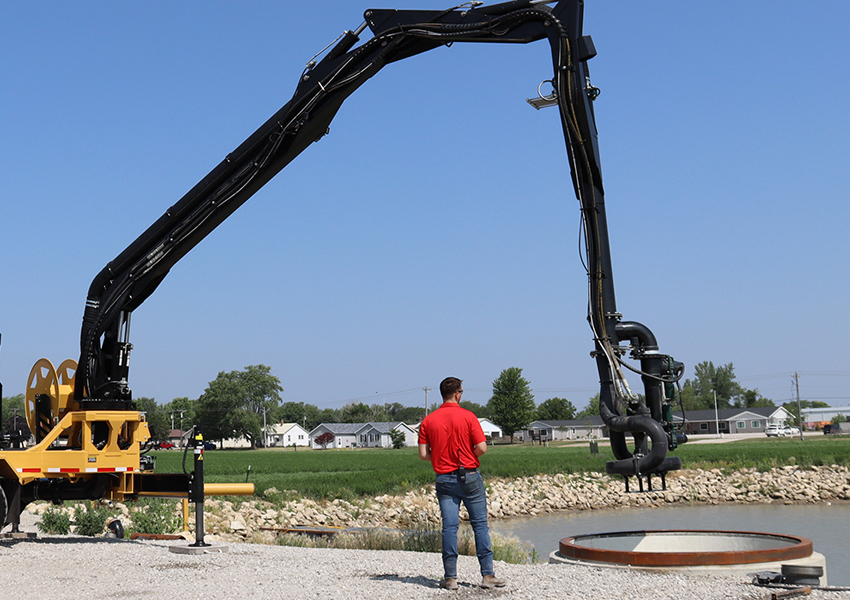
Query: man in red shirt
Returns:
{"type": "Point", "coordinates": [452, 439]}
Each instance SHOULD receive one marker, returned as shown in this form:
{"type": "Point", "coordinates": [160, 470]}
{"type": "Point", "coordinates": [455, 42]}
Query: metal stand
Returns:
{"type": "Point", "coordinates": [648, 482]}
{"type": "Point", "coordinates": [196, 495]}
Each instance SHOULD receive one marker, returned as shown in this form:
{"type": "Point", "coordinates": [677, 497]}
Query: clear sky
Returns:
{"type": "Point", "coordinates": [434, 232]}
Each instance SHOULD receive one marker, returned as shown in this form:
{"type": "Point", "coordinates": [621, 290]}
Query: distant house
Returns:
{"type": "Point", "coordinates": [287, 434]}
{"type": "Point", "coordinates": [345, 434]}
{"type": "Point", "coordinates": [177, 437]}
{"type": "Point", "coordinates": [732, 420]}
{"type": "Point", "coordinates": [364, 435]}
{"type": "Point", "coordinates": [590, 427]}
{"type": "Point", "coordinates": [377, 435]}
{"type": "Point", "coordinates": [235, 443]}
{"type": "Point", "coordinates": [491, 430]}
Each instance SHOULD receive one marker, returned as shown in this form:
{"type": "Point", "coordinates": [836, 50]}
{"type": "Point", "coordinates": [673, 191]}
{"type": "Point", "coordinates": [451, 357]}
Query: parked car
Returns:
{"type": "Point", "coordinates": [164, 446]}
{"type": "Point", "coordinates": [209, 445]}
{"type": "Point", "coordinates": [781, 431]}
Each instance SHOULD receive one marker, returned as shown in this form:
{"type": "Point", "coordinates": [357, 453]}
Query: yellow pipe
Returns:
{"type": "Point", "coordinates": [228, 489]}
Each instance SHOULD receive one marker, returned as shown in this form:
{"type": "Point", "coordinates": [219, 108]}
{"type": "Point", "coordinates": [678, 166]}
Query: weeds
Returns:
{"type": "Point", "coordinates": [427, 539]}
{"type": "Point", "coordinates": [90, 519]}
{"type": "Point", "coordinates": [155, 516]}
{"type": "Point", "coordinates": [55, 521]}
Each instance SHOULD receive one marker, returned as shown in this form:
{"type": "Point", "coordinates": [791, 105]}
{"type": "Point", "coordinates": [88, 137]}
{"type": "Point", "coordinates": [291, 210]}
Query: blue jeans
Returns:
{"type": "Point", "coordinates": [450, 493]}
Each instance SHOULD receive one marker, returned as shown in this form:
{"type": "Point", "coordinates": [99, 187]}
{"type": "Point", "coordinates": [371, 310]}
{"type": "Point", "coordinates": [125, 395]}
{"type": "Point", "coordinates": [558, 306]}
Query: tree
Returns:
{"type": "Point", "coordinates": [591, 409]}
{"type": "Point", "coordinates": [791, 407]}
{"type": "Point", "coordinates": [512, 402]}
{"type": "Point", "coordinates": [233, 404]}
{"type": "Point", "coordinates": [698, 394]}
{"type": "Point", "coordinates": [158, 422]}
{"type": "Point", "coordinates": [409, 414]}
{"type": "Point", "coordinates": [325, 439]}
{"type": "Point", "coordinates": [380, 413]}
{"type": "Point", "coordinates": [482, 412]}
{"type": "Point", "coordinates": [355, 412]}
{"type": "Point", "coordinates": [13, 405]}
{"type": "Point", "coordinates": [181, 412]}
{"type": "Point", "coordinates": [397, 438]}
{"type": "Point", "coordinates": [556, 409]}
{"type": "Point", "coordinates": [752, 399]}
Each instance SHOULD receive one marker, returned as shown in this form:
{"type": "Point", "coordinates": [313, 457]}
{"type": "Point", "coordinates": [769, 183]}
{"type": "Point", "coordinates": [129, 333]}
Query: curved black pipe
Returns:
{"type": "Point", "coordinates": [631, 465]}
{"type": "Point", "coordinates": [632, 330]}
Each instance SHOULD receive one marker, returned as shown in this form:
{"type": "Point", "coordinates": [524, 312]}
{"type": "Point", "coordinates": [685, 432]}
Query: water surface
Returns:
{"type": "Point", "coordinates": [827, 525]}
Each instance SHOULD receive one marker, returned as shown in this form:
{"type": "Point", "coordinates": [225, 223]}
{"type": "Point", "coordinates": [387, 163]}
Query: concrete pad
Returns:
{"type": "Point", "coordinates": [209, 549]}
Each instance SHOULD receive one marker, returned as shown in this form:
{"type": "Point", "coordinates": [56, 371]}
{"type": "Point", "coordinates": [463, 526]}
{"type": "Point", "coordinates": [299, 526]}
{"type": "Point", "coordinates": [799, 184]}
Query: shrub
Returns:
{"type": "Point", "coordinates": [155, 516]}
{"type": "Point", "coordinates": [90, 519]}
{"type": "Point", "coordinates": [55, 521]}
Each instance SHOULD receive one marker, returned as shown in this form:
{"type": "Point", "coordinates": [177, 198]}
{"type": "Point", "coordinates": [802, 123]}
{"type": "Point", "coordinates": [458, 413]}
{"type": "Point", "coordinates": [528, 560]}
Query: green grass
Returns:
{"type": "Point", "coordinates": [352, 474]}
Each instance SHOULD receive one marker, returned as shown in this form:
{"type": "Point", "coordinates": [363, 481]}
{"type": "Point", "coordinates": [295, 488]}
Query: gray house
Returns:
{"type": "Point", "coordinates": [377, 435]}
{"type": "Point", "coordinates": [364, 435]}
{"type": "Point", "coordinates": [590, 427]}
{"type": "Point", "coordinates": [730, 420]}
{"type": "Point", "coordinates": [733, 420]}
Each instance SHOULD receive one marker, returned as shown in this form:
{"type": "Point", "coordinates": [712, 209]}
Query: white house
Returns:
{"type": "Point", "coordinates": [491, 430]}
{"type": "Point", "coordinates": [590, 427]}
{"type": "Point", "coordinates": [235, 443]}
{"type": "Point", "coordinates": [287, 434]}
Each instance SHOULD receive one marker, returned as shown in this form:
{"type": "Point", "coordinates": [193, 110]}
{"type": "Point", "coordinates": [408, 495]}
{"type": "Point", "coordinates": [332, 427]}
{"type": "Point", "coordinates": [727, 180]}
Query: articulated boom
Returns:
{"type": "Point", "coordinates": [88, 432]}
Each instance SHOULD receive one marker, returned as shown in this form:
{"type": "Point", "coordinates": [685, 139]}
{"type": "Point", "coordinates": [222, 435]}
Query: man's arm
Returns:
{"type": "Point", "coordinates": [424, 452]}
{"type": "Point", "coordinates": [478, 449]}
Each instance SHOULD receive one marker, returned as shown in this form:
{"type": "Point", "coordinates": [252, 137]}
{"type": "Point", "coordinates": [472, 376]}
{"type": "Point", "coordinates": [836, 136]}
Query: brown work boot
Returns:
{"type": "Point", "coordinates": [449, 583]}
{"type": "Point", "coordinates": [491, 581]}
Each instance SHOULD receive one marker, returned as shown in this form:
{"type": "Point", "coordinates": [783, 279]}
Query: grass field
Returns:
{"type": "Point", "coordinates": [350, 474]}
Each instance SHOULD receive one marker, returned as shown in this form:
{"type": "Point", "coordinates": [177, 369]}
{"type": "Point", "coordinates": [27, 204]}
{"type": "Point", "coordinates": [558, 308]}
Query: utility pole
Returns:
{"type": "Point", "coordinates": [799, 409]}
{"type": "Point", "coordinates": [716, 416]}
{"type": "Point", "coordinates": [265, 440]}
{"type": "Point", "coordinates": [427, 389]}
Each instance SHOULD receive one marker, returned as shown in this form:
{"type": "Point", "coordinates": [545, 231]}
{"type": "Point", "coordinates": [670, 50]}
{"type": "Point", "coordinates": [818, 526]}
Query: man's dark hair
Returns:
{"type": "Point", "coordinates": [449, 386]}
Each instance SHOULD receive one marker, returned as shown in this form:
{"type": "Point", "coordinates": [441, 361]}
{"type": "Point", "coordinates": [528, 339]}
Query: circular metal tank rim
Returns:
{"type": "Point", "coordinates": [797, 547]}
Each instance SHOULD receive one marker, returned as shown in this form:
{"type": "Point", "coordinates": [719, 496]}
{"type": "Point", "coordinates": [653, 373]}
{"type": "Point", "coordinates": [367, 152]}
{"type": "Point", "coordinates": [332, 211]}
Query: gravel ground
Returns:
{"type": "Point", "coordinates": [98, 568]}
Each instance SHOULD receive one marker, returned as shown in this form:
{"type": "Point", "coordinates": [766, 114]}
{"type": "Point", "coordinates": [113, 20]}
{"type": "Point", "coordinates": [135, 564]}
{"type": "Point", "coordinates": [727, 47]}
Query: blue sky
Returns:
{"type": "Point", "coordinates": [434, 232]}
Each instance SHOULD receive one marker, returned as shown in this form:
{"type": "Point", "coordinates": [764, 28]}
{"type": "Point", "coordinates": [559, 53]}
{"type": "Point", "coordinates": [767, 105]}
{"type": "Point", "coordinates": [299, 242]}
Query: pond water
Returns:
{"type": "Point", "coordinates": [827, 525]}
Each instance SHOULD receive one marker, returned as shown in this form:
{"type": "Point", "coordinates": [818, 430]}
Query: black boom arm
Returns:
{"type": "Point", "coordinates": [324, 85]}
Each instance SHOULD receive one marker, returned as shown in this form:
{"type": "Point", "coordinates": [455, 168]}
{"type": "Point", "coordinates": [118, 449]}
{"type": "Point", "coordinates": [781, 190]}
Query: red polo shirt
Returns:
{"type": "Point", "coordinates": [452, 432]}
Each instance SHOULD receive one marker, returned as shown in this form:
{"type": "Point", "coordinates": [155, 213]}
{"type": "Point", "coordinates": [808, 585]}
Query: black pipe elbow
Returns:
{"type": "Point", "coordinates": [632, 330]}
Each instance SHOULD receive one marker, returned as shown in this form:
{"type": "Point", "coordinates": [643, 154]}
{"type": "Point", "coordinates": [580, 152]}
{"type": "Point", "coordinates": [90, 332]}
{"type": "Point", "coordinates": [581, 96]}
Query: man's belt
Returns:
{"type": "Point", "coordinates": [457, 472]}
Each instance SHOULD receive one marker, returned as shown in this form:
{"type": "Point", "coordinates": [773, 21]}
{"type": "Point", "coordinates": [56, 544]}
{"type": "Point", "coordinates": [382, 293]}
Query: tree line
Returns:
{"type": "Point", "coordinates": [237, 404]}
